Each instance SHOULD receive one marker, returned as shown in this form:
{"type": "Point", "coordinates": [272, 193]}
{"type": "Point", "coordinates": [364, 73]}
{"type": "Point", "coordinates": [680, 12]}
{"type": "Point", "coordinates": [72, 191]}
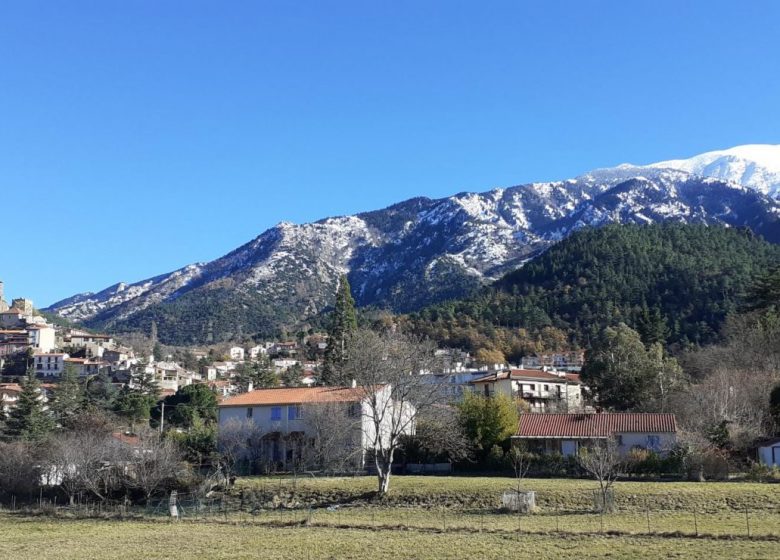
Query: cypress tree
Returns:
{"type": "Point", "coordinates": [343, 323]}
{"type": "Point", "coordinates": [68, 397]}
{"type": "Point", "coordinates": [29, 420]}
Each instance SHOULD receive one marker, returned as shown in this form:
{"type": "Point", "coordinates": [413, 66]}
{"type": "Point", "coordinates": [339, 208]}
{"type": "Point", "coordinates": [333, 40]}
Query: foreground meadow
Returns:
{"type": "Point", "coordinates": [25, 538]}
{"type": "Point", "coordinates": [421, 517]}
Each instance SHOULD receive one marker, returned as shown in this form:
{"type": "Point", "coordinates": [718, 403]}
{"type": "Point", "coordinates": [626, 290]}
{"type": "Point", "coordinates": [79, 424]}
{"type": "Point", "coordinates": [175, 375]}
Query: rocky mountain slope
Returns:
{"type": "Point", "coordinates": [755, 165]}
{"type": "Point", "coordinates": [411, 254]}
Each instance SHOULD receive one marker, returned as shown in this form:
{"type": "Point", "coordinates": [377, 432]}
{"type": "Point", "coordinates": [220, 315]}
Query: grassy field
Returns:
{"type": "Point", "coordinates": [25, 538]}
{"type": "Point", "coordinates": [485, 493]}
{"type": "Point", "coordinates": [422, 517]}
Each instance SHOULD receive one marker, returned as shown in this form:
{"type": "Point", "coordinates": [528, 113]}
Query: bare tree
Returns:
{"type": "Point", "coordinates": [20, 472]}
{"type": "Point", "coordinates": [439, 434]}
{"type": "Point", "coordinates": [388, 372]}
{"type": "Point", "coordinates": [602, 461]}
{"type": "Point", "coordinates": [238, 441]}
{"type": "Point", "coordinates": [88, 461]}
{"type": "Point", "coordinates": [152, 464]}
{"type": "Point", "coordinates": [334, 432]}
{"type": "Point", "coordinates": [521, 461]}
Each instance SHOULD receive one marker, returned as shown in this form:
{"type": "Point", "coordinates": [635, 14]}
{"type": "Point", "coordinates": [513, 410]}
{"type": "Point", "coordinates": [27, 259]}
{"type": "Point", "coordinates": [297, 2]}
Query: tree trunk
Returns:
{"type": "Point", "coordinates": [384, 467]}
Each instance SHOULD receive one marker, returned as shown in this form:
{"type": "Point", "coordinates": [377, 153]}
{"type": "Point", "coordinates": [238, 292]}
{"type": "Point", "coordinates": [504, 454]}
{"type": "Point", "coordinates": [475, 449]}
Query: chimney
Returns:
{"type": "Point", "coordinates": [354, 384]}
{"type": "Point", "coordinates": [250, 386]}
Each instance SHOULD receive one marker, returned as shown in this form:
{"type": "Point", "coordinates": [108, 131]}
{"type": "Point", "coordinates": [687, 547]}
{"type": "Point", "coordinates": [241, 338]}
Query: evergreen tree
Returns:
{"type": "Point", "coordinates": [263, 376]}
{"type": "Point", "coordinates": [291, 377]}
{"type": "Point", "coordinates": [190, 404]}
{"type": "Point", "coordinates": [133, 405]}
{"type": "Point", "coordinates": [68, 396]}
{"type": "Point", "coordinates": [343, 323]}
{"type": "Point", "coordinates": [29, 420]}
{"type": "Point", "coordinates": [136, 399]}
{"type": "Point", "coordinates": [157, 352]}
{"type": "Point", "coordinates": [765, 292]}
{"type": "Point", "coordinates": [617, 369]}
{"type": "Point", "coordinates": [100, 392]}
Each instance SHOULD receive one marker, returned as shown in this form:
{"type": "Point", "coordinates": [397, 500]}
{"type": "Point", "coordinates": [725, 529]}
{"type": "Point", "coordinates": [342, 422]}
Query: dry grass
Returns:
{"type": "Point", "coordinates": [48, 539]}
{"type": "Point", "coordinates": [485, 493]}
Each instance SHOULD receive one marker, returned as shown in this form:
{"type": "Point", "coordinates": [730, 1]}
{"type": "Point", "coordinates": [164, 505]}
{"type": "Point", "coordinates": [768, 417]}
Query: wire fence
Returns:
{"type": "Point", "coordinates": [717, 521]}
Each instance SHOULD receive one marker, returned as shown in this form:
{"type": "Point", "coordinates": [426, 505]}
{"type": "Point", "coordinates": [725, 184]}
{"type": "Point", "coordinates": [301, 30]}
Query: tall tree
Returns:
{"type": "Point", "coordinates": [487, 421]}
{"type": "Point", "coordinates": [617, 369]}
{"type": "Point", "coordinates": [191, 404]}
{"type": "Point", "coordinates": [765, 291]}
{"type": "Point", "coordinates": [291, 377]}
{"type": "Point", "coordinates": [387, 369]}
{"type": "Point", "coordinates": [343, 323]}
{"type": "Point", "coordinates": [29, 419]}
{"type": "Point", "coordinates": [100, 392]}
{"type": "Point", "coordinates": [68, 396]}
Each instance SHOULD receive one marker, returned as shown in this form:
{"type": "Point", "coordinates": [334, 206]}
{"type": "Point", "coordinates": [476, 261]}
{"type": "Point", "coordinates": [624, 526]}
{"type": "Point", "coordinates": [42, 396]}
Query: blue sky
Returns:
{"type": "Point", "coordinates": [140, 136]}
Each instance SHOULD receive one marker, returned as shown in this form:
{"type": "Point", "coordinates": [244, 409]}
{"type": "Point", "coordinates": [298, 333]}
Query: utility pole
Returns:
{"type": "Point", "coordinates": [162, 416]}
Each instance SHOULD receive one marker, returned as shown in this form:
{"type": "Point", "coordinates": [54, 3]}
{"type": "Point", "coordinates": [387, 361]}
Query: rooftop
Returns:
{"type": "Point", "coordinates": [596, 425]}
{"type": "Point", "coordinates": [295, 395]}
{"type": "Point", "coordinates": [529, 375]}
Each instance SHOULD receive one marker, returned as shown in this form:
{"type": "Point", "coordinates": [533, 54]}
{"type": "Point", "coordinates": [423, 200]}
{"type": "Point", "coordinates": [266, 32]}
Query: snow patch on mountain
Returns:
{"type": "Point", "coordinates": [754, 165]}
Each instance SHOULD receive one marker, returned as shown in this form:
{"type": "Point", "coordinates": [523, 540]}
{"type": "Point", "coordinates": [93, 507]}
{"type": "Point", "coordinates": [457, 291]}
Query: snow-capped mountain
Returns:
{"type": "Point", "coordinates": [755, 165]}
{"type": "Point", "coordinates": [410, 254]}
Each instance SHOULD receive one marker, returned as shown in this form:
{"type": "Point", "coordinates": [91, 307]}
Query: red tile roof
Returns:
{"type": "Point", "coordinates": [592, 425]}
{"type": "Point", "coordinates": [295, 395]}
{"type": "Point", "coordinates": [530, 375]}
{"type": "Point", "coordinates": [129, 439]}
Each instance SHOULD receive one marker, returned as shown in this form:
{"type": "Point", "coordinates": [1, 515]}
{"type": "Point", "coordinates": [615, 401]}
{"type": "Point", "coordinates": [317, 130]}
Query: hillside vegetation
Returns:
{"type": "Point", "coordinates": [673, 283]}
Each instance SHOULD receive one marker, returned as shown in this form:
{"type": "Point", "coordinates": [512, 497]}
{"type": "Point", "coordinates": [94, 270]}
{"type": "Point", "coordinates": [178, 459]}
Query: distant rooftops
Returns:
{"type": "Point", "coordinates": [529, 375]}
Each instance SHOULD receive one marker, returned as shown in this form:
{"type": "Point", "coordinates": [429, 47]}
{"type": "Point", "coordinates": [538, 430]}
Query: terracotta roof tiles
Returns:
{"type": "Point", "coordinates": [593, 425]}
{"type": "Point", "coordinates": [295, 395]}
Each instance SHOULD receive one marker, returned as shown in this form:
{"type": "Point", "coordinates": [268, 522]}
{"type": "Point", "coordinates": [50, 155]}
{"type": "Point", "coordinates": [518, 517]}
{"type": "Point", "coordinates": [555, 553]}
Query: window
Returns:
{"type": "Point", "coordinates": [249, 412]}
{"type": "Point", "coordinates": [653, 442]}
{"type": "Point", "coordinates": [546, 387]}
{"type": "Point", "coordinates": [294, 412]}
{"type": "Point", "coordinates": [276, 413]}
{"type": "Point", "coordinates": [354, 410]}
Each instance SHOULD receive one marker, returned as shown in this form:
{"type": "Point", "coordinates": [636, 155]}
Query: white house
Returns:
{"type": "Point", "coordinates": [236, 354]}
{"type": "Point", "coordinates": [257, 351]}
{"type": "Point", "coordinates": [281, 415]}
{"type": "Point", "coordinates": [41, 337]}
{"type": "Point", "coordinates": [769, 452]}
{"type": "Point", "coordinates": [86, 366]}
{"type": "Point", "coordinates": [542, 390]}
{"type": "Point", "coordinates": [170, 375]}
{"type": "Point", "coordinates": [282, 364]}
{"type": "Point", "coordinates": [49, 364]}
{"type": "Point", "coordinates": [9, 394]}
{"type": "Point", "coordinates": [566, 433]}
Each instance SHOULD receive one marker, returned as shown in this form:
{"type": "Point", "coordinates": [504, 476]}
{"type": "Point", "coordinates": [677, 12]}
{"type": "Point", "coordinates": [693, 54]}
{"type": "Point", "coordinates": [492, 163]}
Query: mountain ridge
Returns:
{"type": "Point", "coordinates": [410, 254]}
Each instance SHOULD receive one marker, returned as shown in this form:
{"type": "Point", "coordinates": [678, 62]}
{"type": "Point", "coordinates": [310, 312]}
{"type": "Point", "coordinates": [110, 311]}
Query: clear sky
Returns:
{"type": "Point", "coordinates": [140, 136]}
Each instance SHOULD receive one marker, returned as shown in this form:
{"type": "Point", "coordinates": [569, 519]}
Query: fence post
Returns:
{"type": "Point", "coordinates": [695, 523]}
{"type": "Point", "coordinates": [647, 514]}
{"type": "Point", "coordinates": [747, 520]}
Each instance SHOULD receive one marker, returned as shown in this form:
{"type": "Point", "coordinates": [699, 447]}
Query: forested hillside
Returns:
{"type": "Point", "coordinates": [674, 283]}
